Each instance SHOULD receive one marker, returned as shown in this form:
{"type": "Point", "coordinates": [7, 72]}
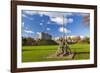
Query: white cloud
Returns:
{"type": "Point", "coordinates": [25, 16]}
{"type": "Point", "coordinates": [26, 28]}
{"type": "Point", "coordinates": [61, 20]}
{"type": "Point", "coordinates": [30, 12]}
{"type": "Point", "coordinates": [37, 32]}
{"type": "Point", "coordinates": [58, 20]}
{"type": "Point", "coordinates": [40, 14]}
{"type": "Point", "coordinates": [29, 31]}
{"type": "Point", "coordinates": [64, 30]}
{"type": "Point", "coordinates": [58, 17]}
{"type": "Point", "coordinates": [48, 22]}
{"type": "Point", "coordinates": [41, 24]}
{"type": "Point", "coordinates": [48, 29]}
{"type": "Point", "coordinates": [54, 14]}
{"type": "Point", "coordinates": [84, 14]}
{"type": "Point", "coordinates": [70, 20]}
{"type": "Point", "coordinates": [47, 13]}
{"type": "Point", "coordinates": [23, 24]}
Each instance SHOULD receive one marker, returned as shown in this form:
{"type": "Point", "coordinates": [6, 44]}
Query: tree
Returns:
{"type": "Point", "coordinates": [46, 42]}
{"type": "Point", "coordinates": [87, 39]}
{"type": "Point", "coordinates": [28, 41]}
{"type": "Point", "coordinates": [24, 41]}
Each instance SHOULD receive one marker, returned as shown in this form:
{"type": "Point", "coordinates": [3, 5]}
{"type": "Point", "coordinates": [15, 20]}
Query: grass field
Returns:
{"type": "Point", "coordinates": [40, 53]}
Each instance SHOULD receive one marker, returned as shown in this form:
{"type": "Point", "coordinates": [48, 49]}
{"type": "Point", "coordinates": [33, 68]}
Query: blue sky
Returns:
{"type": "Point", "coordinates": [76, 24]}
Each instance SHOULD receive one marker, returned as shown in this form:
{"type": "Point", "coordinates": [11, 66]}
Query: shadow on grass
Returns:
{"type": "Point", "coordinates": [80, 53]}
{"type": "Point", "coordinates": [35, 49]}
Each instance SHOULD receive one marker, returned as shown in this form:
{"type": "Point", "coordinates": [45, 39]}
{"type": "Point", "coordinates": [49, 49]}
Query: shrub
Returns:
{"type": "Point", "coordinates": [46, 42]}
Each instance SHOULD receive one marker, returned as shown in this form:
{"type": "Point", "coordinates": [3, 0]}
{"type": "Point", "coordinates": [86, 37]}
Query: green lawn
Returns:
{"type": "Point", "coordinates": [40, 53]}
